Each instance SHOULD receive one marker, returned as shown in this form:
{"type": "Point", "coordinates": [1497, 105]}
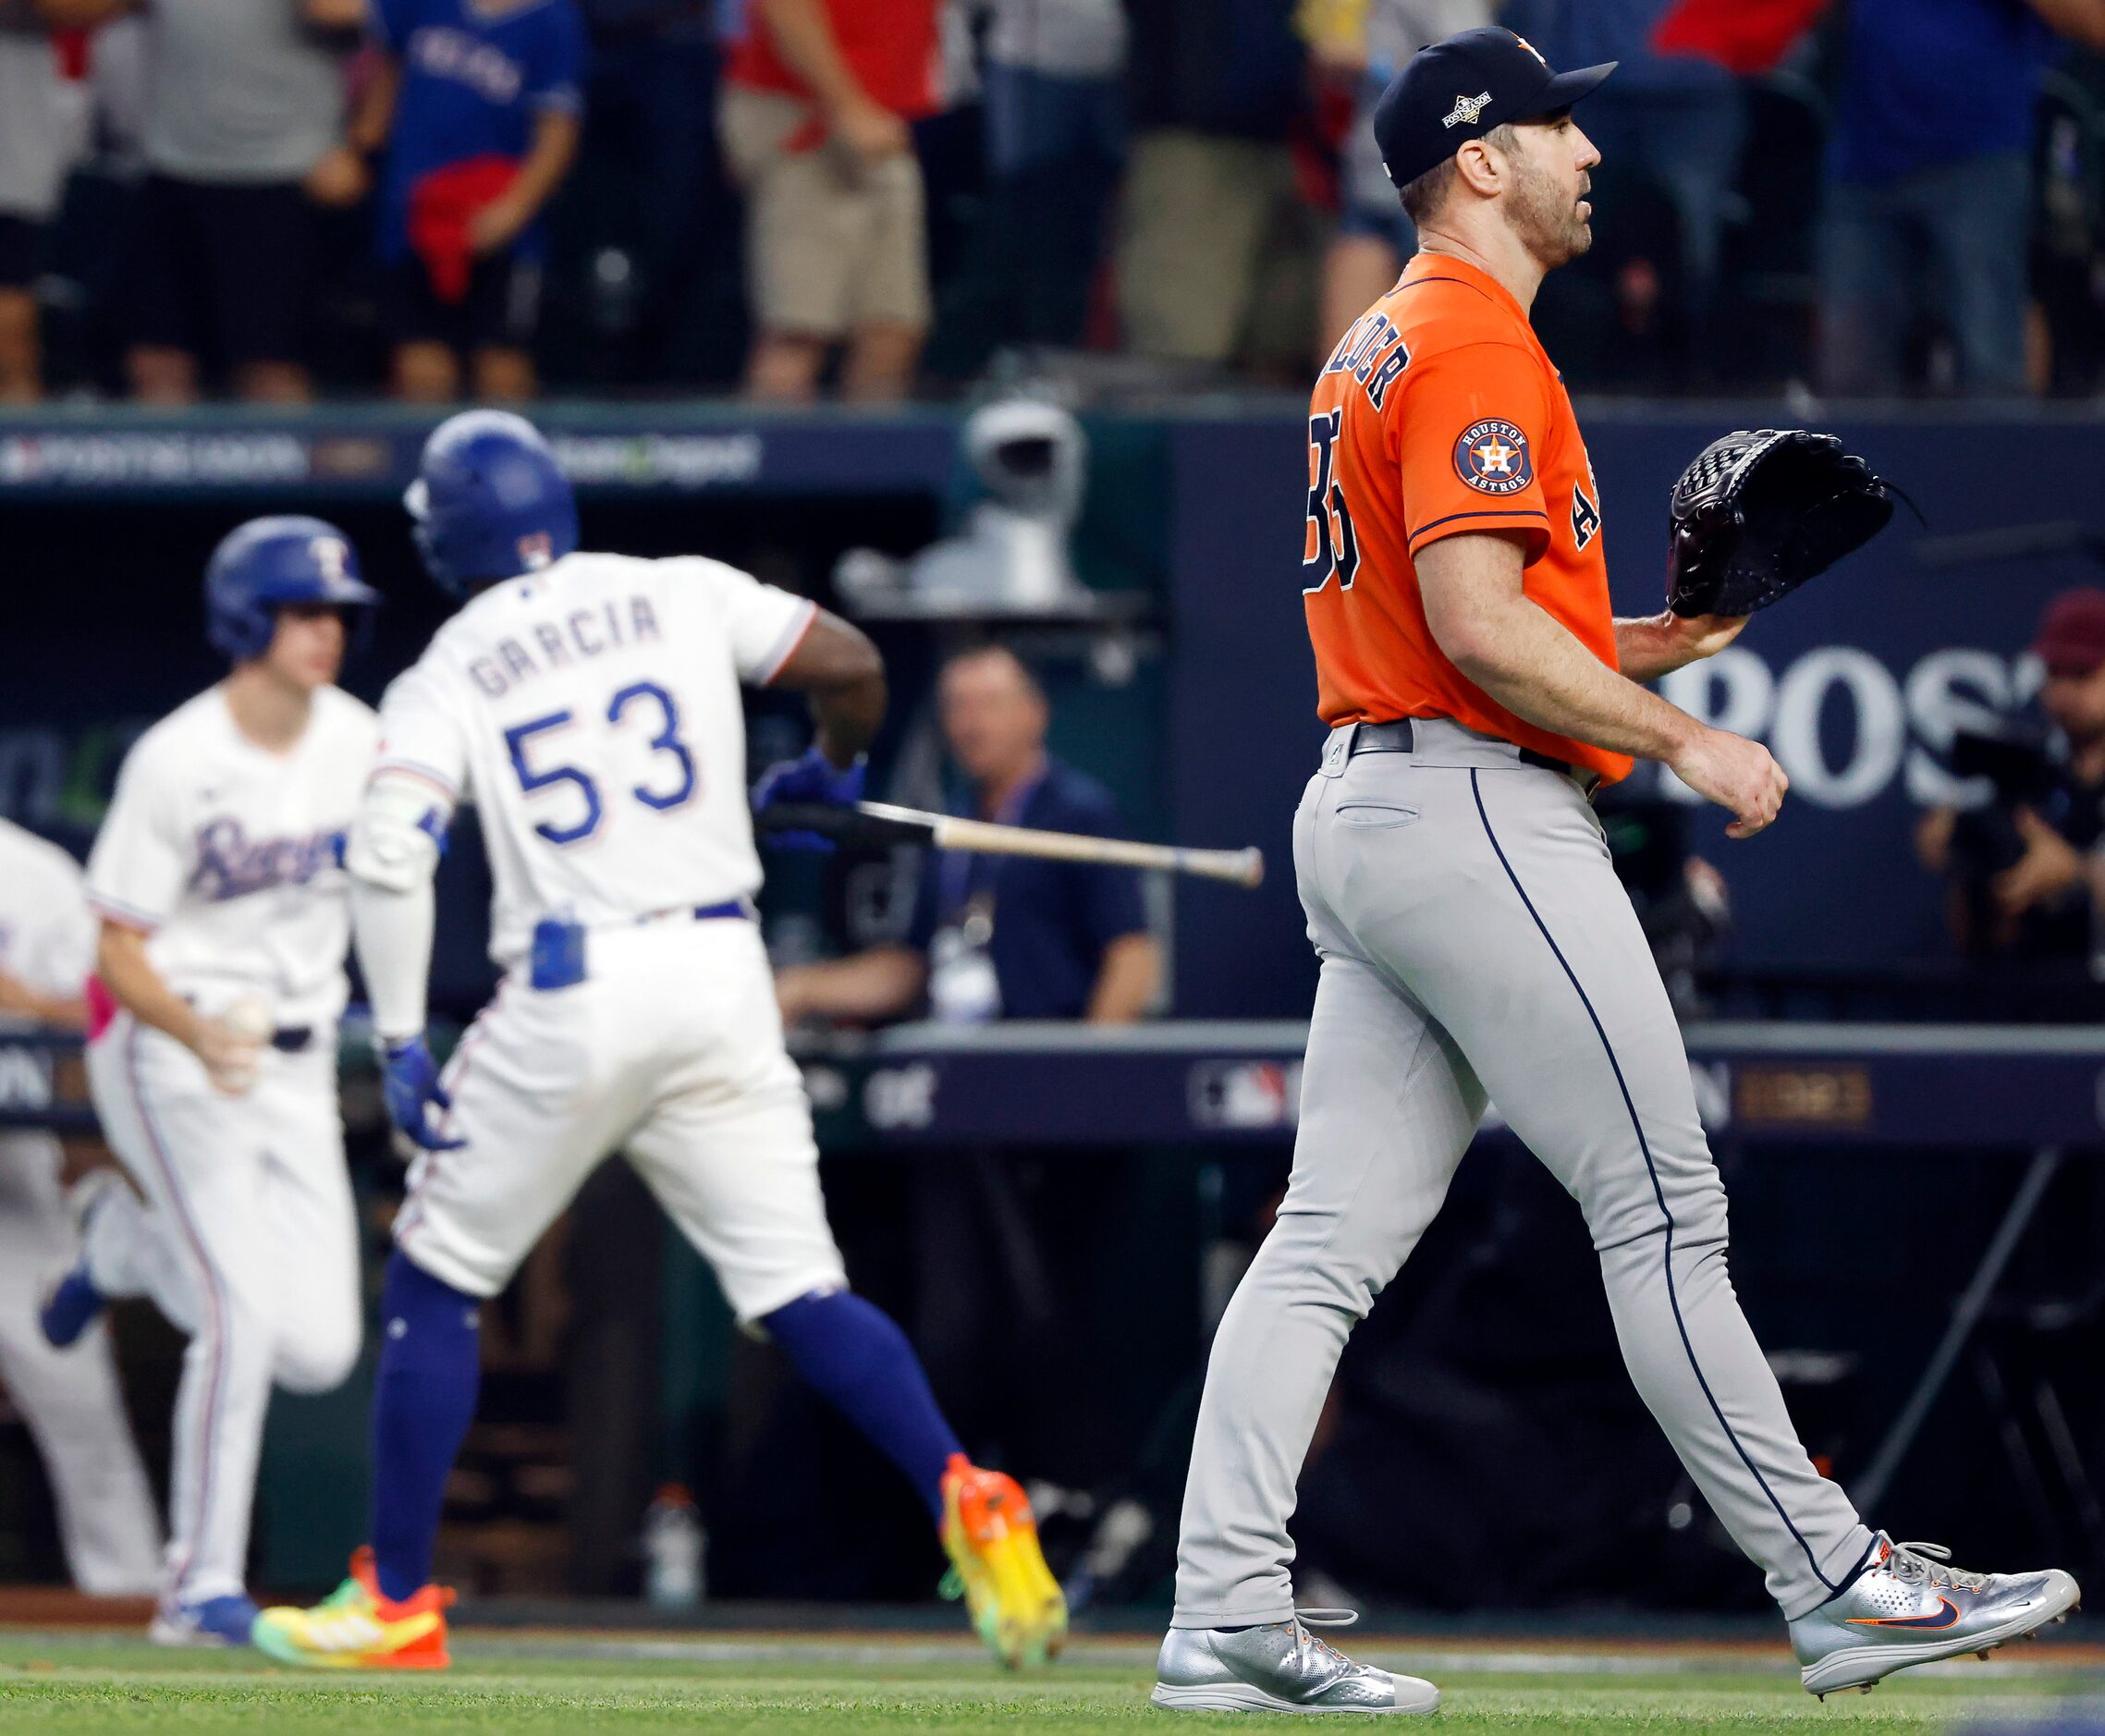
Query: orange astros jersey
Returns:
{"type": "Point", "coordinates": [1438, 413]}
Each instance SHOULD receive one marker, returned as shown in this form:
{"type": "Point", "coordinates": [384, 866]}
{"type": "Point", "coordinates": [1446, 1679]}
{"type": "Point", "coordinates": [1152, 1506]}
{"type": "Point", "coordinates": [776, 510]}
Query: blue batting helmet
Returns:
{"type": "Point", "coordinates": [490, 501]}
{"type": "Point", "coordinates": [267, 562]}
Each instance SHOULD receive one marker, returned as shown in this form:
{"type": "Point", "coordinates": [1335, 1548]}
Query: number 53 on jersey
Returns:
{"type": "Point", "coordinates": [674, 788]}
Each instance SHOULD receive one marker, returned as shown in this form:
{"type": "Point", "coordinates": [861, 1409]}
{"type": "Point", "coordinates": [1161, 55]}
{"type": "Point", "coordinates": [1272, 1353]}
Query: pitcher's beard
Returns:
{"type": "Point", "coordinates": [1549, 226]}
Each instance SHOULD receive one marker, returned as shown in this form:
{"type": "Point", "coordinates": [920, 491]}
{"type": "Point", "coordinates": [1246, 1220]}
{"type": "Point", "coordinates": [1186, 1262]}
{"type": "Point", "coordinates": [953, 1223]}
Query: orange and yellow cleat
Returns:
{"type": "Point", "coordinates": [995, 1565]}
{"type": "Point", "coordinates": [356, 1628]}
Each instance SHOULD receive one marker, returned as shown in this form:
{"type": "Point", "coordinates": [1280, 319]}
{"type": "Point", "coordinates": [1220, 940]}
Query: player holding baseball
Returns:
{"type": "Point", "coordinates": [1476, 944]}
{"type": "Point", "coordinates": [212, 1060]}
{"type": "Point", "coordinates": [589, 706]}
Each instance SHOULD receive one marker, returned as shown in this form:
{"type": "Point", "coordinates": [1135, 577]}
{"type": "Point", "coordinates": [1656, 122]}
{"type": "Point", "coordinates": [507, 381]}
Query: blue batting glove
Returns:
{"type": "Point", "coordinates": [810, 778]}
{"type": "Point", "coordinates": [415, 1099]}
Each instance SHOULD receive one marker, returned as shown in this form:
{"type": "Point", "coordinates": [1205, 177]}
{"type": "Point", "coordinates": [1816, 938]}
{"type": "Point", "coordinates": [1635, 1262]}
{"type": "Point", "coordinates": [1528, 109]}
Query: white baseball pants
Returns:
{"type": "Point", "coordinates": [70, 1399]}
{"type": "Point", "coordinates": [247, 1241]}
{"type": "Point", "coordinates": [1475, 941]}
{"type": "Point", "coordinates": [670, 1051]}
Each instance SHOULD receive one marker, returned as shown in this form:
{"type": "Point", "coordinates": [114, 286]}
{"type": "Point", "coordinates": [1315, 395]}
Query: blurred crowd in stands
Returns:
{"type": "Point", "coordinates": [280, 199]}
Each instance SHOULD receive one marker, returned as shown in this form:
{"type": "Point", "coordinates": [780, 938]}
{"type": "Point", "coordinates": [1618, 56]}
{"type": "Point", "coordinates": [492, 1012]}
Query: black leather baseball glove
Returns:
{"type": "Point", "coordinates": [1761, 511]}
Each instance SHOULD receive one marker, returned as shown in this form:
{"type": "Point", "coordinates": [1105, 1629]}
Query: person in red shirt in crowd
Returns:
{"type": "Point", "coordinates": [815, 114]}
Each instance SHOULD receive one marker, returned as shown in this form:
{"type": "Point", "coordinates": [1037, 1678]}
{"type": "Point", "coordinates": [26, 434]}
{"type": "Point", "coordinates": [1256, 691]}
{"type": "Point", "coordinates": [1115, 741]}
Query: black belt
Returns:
{"type": "Point", "coordinates": [285, 1039]}
{"type": "Point", "coordinates": [1397, 736]}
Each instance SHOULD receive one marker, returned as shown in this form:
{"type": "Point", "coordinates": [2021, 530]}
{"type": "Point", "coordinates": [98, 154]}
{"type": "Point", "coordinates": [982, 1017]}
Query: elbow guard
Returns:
{"type": "Point", "coordinates": [400, 836]}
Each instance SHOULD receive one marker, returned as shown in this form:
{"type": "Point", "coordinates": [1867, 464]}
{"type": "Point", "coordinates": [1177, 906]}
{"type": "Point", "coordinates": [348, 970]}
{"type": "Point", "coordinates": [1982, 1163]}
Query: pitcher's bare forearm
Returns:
{"type": "Point", "coordinates": [1648, 646]}
{"type": "Point", "coordinates": [1529, 661]}
{"type": "Point", "coordinates": [1534, 667]}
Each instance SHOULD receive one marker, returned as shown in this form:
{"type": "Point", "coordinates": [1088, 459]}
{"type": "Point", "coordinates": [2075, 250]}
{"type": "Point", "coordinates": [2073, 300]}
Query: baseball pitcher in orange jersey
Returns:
{"type": "Point", "coordinates": [1475, 943]}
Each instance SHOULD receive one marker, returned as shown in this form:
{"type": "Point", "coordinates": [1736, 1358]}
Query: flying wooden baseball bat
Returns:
{"type": "Point", "coordinates": [880, 821]}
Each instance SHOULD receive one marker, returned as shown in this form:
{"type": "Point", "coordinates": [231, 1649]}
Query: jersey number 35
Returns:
{"type": "Point", "coordinates": [1333, 547]}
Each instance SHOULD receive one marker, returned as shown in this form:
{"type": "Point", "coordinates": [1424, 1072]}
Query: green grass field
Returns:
{"type": "Point", "coordinates": [74, 1685]}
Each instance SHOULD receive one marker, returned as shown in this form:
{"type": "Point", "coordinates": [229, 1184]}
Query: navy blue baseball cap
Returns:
{"type": "Point", "coordinates": [1462, 87]}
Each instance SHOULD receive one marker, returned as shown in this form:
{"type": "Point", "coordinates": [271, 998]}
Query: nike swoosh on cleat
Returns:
{"type": "Point", "coordinates": [1944, 1619]}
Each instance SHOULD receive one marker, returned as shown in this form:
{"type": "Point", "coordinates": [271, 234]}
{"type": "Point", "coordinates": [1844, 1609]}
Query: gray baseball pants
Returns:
{"type": "Point", "coordinates": [1475, 942]}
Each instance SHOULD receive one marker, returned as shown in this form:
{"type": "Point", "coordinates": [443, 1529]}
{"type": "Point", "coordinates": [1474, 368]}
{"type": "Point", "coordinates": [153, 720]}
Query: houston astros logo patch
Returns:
{"type": "Point", "coordinates": [1492, 457]}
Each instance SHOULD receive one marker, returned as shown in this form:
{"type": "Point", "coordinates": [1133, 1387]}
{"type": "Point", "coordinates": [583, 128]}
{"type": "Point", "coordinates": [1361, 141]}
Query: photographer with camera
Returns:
{"type": "Point", "coordinates": [2025, 870]}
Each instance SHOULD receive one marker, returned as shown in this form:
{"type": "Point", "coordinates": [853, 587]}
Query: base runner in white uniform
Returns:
{"type": "Point", "coordinates": [224, 924]}
{"type": "Point", "coordinates": [589, 706]}
{"type": "Point", "coordinates": [70, 1398]}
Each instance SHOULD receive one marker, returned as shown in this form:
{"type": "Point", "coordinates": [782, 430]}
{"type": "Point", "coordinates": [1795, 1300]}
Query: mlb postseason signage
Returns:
{"type": "Point", "coordinates": [363, 451]}
{"type": "Point", "coordinates": [1857, 683]}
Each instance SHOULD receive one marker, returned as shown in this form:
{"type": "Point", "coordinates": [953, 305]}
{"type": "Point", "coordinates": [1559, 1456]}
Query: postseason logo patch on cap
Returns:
{"type": "Point", "coordinates": [1451, 92]}
{"type": "Point", "coordinates": [1493, 458]}
{"type": "Point", "coordinates": [1467, 109]}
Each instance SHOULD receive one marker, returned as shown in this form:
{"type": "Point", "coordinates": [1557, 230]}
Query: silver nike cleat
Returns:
{"type": "Point", "coordinates": [1908, 1607]}
{"type": "Point", "coordinates": [1279, 1668]}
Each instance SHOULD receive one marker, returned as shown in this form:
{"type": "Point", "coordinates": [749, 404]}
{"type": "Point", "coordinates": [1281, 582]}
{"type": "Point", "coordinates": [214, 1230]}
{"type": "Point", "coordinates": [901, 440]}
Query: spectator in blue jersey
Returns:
{"type": "Point", "coordinates": [478, 105]}
{"type": "Point", "coordinates": [1929, 195]}
{"type": "Point", "coordinates": [1002, 936]}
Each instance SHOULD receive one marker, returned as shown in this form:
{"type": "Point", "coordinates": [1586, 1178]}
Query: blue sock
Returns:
{"type": "Point", "coordinates": [855, 1355]}
{"type": "Point", "coordinates": [430, 1366]}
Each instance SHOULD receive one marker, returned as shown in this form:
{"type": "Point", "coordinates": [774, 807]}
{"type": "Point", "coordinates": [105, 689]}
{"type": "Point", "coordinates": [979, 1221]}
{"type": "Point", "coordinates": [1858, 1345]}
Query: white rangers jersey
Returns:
{"type": "Point", "coordinates": [47, 936]}
{"type": "Point", "coordinates": [592, 712]}
{"type": "Point", "coordinates": [230, 856]}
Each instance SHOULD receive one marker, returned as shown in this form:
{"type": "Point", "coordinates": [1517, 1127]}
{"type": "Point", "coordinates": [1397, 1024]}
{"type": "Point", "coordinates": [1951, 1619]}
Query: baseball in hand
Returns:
{"type": "Point", "coordinates": [230, 1051]}
{"type": "Point", "coordinates": [250, 1018]}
